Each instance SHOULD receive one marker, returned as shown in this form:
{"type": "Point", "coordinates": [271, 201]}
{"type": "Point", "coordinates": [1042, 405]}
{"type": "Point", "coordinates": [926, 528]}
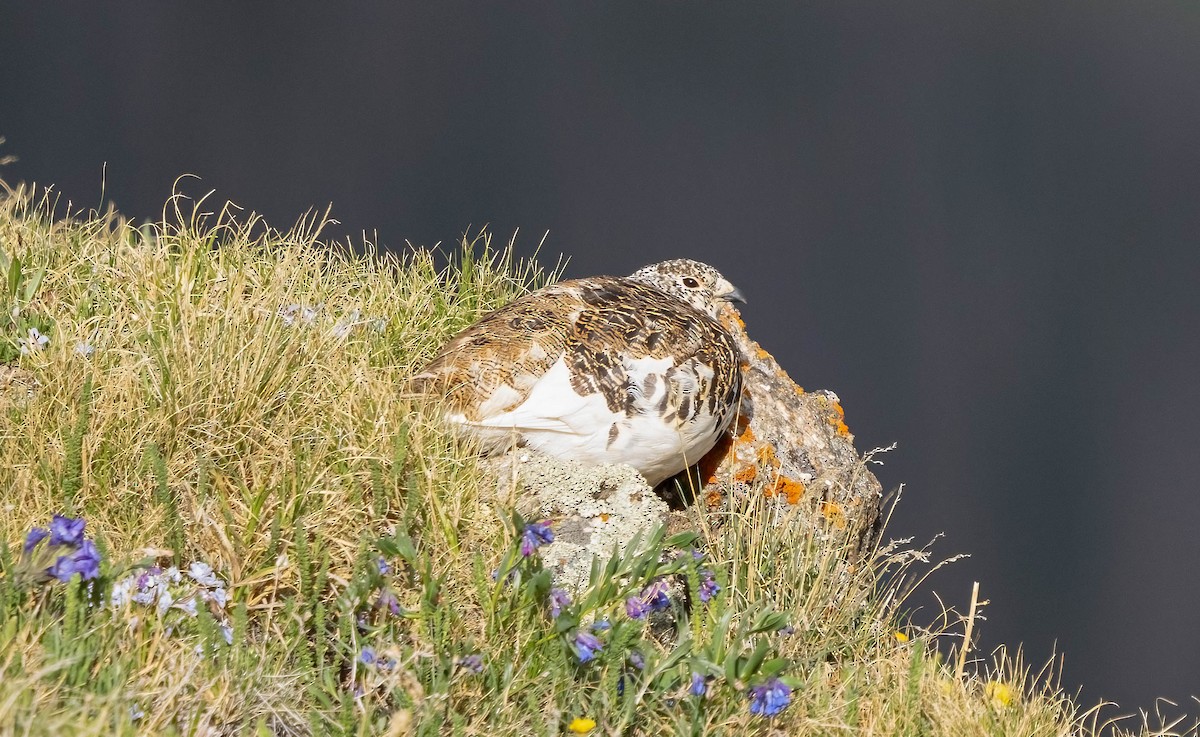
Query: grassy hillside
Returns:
{"type": "Point", "coordinates": [282, 545]}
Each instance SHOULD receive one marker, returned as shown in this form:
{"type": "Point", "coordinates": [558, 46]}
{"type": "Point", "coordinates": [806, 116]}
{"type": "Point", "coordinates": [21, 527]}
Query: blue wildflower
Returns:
{"type": "Point", "coordinates": [601, 625]}
{"type": "Point", "coordinates": [473, 662]}
{"type": "Point", "coordinates": [85, 561]}
{"type": "Point", "coordinates": [586, 646]}
{"type": "Point", "coordinates": [559, 599]}
{"type": "Point", "coordinates": [708, 585]}
{"type": "Point", "coordinates": [655, 596]}
{"type": "Point", "coordinates": [367, 656]}
{"type": "Point", "coordinates": [35, 536]}
{"type": "Point", "coordinates": [699, 686]}
{"type": "Point", "coordinates": [383, 566]}
{"type": "Point", "coordinates": [787, 630]}
{"type": "Point", "coordinates": [636, 659]}
{"type": "Point", "coordinates": [389, 601]}
{"type": "Point", "coordinates": [769, 698]}
{"type": "Point", "coordinates": [636, 608]}
{"type": "Point", "coordinates": [535, 536]}
{"type": "Point", "coordinates": [66, 531]}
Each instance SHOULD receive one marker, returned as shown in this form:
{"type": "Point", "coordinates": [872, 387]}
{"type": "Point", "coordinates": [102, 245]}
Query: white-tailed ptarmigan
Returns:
{"type": "Point", "coordinates": [633, 370]}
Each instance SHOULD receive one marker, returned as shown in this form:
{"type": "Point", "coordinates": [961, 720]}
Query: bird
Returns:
{"type": "Point", "coordinates": [635, 370]}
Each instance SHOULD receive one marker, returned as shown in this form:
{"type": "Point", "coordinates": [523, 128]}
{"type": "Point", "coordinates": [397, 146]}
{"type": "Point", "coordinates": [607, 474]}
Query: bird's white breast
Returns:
{"type": "Point", "coordinates": [646, 434]}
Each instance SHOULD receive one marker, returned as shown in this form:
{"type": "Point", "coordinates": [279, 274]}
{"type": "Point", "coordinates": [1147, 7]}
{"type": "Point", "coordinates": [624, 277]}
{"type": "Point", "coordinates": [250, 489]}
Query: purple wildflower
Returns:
{"type": "Point", "coordinates": [35, 536]}
{"type": "Point", "coordinates": [769, 698]}
{"type": "Point", "coordinates": [586, 646]}
{"type": "Point", "coordinates": [601, 625]}
{"type": "Point", "coordinates": [388, 599]}
{"type": "Point", "coordinates": [559, 599]}
{"type": "Point", "coordinates": [636, 659]}
{"type": "Point", "coordinates": [535, 536]}
{"type": "Point", "coordinates": [367, 656]}
{"type": "Point", "coordinates": [699, 686]}
{"type": "Point", "coordinates": [787, 630]}
{"type": "Point", "coordinates": [472, 662]}
{"type": "Point", "coordinates": [636, 608]}
{"type": "Point", "coordinates": [85, 561]}
{"type": "Point", "coordinates": [66, 531]}
{"type": "Point", "coordinates": [708, 585]}
{"type": "Point", "coordinates": [145, 579]}
{"type": "Point", "coordinates": [383, 566]}
{"type": "Point", "coordinates": [655, 596]}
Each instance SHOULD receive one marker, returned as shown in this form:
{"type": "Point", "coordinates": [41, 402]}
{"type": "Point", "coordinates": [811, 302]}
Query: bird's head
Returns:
{"type": "Point", "coordinates": [700, 285]}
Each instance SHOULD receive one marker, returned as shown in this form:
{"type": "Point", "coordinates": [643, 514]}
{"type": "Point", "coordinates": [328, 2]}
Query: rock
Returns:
{"type": "Point", "coordinates": [795, 448]}
{"type": "Point", "coordinates": [593, 508]}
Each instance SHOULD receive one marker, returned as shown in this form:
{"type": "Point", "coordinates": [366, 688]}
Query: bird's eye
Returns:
{"type": "Point", "coordinates": [690, 283]}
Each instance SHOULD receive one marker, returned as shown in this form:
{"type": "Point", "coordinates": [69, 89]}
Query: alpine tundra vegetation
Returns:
{"type": "Point", "coordinates": [221, 515]}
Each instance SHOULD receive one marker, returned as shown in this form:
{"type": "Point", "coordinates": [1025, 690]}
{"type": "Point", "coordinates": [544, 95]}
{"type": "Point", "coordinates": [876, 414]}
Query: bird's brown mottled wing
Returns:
{"type": "Point", "coordinates": [624, 318]}
{"type": "Point", "coordinates": [595, 324]}
{"type": "Point", "coordinates": [509, 347]}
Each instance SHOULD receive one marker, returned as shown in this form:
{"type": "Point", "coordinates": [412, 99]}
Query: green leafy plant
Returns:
{"type": "Point", "coordinates": [21, 330]}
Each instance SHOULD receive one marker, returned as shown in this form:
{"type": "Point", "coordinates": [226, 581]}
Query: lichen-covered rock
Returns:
{"type": "Point", "coordinates": [593, 508]}
{"type": "Point", "coordinates": [793, 447]}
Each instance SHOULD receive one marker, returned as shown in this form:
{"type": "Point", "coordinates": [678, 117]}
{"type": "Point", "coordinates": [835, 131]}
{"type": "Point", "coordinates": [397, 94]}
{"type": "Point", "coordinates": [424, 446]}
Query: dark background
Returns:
{"type": "Point", "coordinates": [977, 222]}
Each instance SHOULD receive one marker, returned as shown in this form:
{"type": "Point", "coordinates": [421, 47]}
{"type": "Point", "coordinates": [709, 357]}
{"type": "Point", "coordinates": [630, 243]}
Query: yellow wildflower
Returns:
{"type": "Point", "coordinates": [1000, 693]}
{"type": "Point", "coordinates": [901, 637]}
{"type": "Point", "coordinates": [582, 725]}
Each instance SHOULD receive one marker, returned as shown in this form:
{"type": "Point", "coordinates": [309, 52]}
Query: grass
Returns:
{"type": "Point", "coordinates": [216, 391]}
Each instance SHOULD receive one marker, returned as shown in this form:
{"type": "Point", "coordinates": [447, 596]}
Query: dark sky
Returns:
{"type": "Point", "coordinates": [977, 222]}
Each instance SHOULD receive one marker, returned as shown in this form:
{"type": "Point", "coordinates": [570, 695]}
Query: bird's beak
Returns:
{"type": "Point", "coordinates": [730, 293]}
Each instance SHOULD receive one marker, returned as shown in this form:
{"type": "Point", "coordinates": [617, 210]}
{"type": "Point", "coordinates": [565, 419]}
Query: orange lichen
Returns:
{"type": "Point", "coordinates": [762, 355]}
{"type": "Point", "coordinates": [603, 517]}
{"type": "Point", "coordinates": [747, 474]}
{"type": "Point", "coordinates": [713, 499]}
{"type": "Point", "coordinates": [792, 489]}
{"type": "Point", "coordinates": [798, 389]}
{"type": "Point", "coordinates": [839, 422]}
{"type": "Point", "coordinates": [833, 512]}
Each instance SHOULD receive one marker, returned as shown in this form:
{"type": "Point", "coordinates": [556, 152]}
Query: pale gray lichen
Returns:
{"type": "Point", "coordinates": [592, 509]}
